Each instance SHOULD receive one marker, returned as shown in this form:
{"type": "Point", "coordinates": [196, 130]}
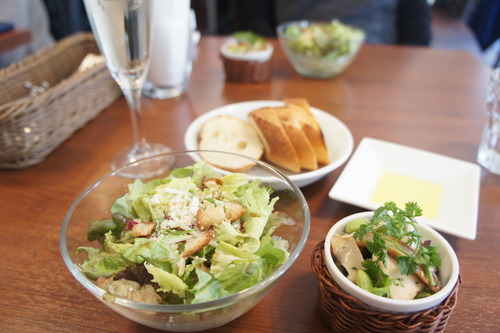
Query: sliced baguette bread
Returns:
{"type": "Point", "coordinates": [278, 147]}
{"type": "Point", "coordinates": [302, 146]}
{"type": "Point", "coordinates": [302, 112]}
{"type": "Point", "coordinates": [230, 134]}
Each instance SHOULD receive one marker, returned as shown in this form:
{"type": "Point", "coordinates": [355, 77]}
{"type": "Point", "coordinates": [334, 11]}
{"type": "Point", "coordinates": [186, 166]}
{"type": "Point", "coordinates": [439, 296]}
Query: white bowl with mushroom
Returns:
{"type": "Point", "coordinates": [345, 268]}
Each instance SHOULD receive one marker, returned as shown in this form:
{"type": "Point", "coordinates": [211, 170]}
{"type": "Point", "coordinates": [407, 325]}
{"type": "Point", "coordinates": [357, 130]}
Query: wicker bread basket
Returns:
{"type": "Point", "coordinates": [344, 313]}
{"type": "Point", "coordinates": [31, 127]}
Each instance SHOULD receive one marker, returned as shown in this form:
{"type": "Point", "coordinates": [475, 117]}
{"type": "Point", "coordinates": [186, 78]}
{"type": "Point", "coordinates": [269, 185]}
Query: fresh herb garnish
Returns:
{"type": "Point", "coordinates": [393, 227]}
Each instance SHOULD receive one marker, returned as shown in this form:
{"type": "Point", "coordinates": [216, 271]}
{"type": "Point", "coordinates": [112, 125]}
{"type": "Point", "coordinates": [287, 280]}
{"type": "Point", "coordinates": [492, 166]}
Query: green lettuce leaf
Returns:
{"type": "Point", "coordinates": [259, 207]}
{"type": "Point", "coordinates": [123, 204]}
{"type": "Point", "coordinates": [230, 185]}
{"type": "Point", "coordinates": [102, 263]}
{"type": "Point", "coordinates": [98, 228]}
{"type": "Point", "coordinates": [273, 250]}
{"type": "Point", "coordinates": [207, 288]}
{"type": "Point", "coordinates": [237, 269]}
{"type": "Point", "coordinates": [168, 282]}
{"type": "Point", "coordinates": [202, 170]}
{"type": "Point", "coordinates": [145, 250]}
{"type": "Point", "coordinates": [111, 244]}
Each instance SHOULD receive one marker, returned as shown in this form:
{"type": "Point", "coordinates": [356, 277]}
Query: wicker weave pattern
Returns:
{"type": "Point", "coordinates": [344, 313]}
{"type": "Point", "coordinates": [32, 127]}
{"type": "Point", "coordinates": [247, 71]}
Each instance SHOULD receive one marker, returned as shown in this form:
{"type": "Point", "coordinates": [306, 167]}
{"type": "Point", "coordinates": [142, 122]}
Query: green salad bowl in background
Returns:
{"type": "Point", "coordinates": [319, 50]}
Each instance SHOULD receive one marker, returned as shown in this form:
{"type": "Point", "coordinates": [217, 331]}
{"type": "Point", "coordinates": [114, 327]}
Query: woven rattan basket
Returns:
{"type": "Point", "coordinates": [344, 313]}
{"type": "Point", "coordinates": [31, 127]}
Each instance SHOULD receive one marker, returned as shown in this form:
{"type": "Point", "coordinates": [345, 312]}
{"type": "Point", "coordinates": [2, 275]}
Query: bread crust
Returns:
{"type": "Point", "coordinates": [278, 147]}
{"type": "Point", "coordinates": [311, 128]}
{"type": "Point", "coordinates": [302, 146]}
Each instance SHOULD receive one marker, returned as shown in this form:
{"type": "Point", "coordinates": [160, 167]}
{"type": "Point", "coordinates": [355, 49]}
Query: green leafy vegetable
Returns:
{"type": "Point", "coordinates": [323, 40]}
{"type": "Point", "coordinates": [100, 227]}
{"type": "Point", "coordinates": [101, 263]}
{"type": "Point", "coordinates": [391, 226]}
{"type": "Point", "coordinates": [238, 253]}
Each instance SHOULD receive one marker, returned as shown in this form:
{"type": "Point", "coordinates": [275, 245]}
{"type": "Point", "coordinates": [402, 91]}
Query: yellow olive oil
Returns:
{"type": "Point", "coordinates": [400, 188]}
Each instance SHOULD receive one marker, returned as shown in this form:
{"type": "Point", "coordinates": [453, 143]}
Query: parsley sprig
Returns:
{"type": "Point", "coordinates": [391, 226]}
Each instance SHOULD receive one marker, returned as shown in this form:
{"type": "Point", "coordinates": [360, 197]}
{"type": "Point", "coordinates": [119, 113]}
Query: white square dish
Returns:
{"type": "Point", "coordinates": [447, 188]}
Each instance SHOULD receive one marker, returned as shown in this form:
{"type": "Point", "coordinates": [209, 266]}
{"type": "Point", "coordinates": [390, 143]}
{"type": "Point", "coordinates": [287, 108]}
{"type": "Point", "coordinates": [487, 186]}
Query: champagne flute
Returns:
{"type": "Point", "coordinates": [123, 33]}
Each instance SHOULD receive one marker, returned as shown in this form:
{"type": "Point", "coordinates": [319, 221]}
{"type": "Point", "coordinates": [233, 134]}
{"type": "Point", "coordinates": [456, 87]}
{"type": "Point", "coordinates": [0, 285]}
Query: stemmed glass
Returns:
{"type": "Point", "coordinates": [123, 33]}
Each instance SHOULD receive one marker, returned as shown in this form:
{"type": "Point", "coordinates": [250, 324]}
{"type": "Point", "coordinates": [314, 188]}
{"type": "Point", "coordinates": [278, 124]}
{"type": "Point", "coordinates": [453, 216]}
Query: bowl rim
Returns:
{"type": "Point", "coordinates": [383, 303]}
{"type": "Point", "coordinates": [280, 29]}
{"type": "Point", "coordinates": [181, 308]}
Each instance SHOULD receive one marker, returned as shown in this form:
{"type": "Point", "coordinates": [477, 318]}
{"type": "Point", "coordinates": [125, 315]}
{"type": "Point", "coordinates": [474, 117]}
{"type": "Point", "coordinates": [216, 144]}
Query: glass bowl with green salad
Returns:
{"type": "Point", "coordinates": [389, 261]}
{"type": "Point", "coordinates": [319, 50]}
{"type": "Point", "coordinates": [189, 250]}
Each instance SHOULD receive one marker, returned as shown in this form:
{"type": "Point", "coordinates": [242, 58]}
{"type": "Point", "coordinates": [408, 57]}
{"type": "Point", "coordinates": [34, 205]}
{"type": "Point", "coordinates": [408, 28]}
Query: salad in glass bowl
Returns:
{"type": "Point", "coordinates": [320, 50]}
{"type": "Point", "coordinates": [188, 251]}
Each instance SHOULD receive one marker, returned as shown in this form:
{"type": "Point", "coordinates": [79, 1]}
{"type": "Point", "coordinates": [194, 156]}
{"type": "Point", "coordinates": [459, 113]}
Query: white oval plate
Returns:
{"type": "Point", "coordinates": [338, 137]}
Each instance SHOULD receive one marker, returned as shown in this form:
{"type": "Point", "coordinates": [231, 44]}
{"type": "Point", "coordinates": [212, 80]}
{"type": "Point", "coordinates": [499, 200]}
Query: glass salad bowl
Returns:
{"type": "Point", "coordinates": [319, 50]}
{"type": "Point", "coordinates": [119, 229]}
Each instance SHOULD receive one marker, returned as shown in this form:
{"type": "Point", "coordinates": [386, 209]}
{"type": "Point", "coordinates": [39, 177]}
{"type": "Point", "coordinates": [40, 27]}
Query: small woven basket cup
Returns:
{"type": "Point", "coordinates": [31, 127]}
{"type": "Point", "coordinates": [344, 313]}
{"type": "Point", "coordinates": [245, 71]}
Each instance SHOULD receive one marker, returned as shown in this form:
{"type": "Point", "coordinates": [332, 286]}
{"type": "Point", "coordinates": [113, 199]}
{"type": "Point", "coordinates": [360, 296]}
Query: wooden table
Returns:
{"type": "Point", "coordinates": [424, 98]}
